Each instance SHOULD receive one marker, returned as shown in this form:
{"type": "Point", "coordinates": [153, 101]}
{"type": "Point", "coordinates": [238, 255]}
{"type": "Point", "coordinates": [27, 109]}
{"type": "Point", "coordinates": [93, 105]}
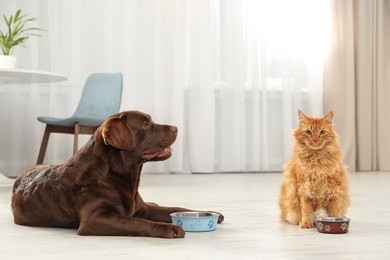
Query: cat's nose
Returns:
{"type": "Point", "coordinates": [315, 140]}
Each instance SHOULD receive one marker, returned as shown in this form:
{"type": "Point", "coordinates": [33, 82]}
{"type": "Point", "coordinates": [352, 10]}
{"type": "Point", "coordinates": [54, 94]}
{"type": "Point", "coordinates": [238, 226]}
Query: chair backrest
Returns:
{"type": "Point", "coordinates": [101, 96]}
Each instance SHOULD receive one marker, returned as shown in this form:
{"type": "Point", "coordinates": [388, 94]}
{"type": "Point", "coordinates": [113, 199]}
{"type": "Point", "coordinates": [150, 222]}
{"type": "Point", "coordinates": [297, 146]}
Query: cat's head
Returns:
{"type": "Point", "coordinates": [315, 133]}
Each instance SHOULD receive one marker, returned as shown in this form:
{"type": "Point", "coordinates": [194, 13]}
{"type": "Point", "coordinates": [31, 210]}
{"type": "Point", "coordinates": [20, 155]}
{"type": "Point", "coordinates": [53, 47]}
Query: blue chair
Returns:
{"type": "Point", "coordinates": [101, 97]}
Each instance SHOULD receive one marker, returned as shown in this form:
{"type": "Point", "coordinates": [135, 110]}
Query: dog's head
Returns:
{"type": "Point", "coordinates": [135, 131]}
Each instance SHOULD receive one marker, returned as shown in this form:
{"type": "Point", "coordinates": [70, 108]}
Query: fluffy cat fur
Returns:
{"type": "Point", "coordinates": [315, 181]}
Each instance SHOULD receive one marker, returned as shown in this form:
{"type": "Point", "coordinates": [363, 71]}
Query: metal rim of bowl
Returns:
{"type": "Point", "coordinates": [335, 220]}
{"type": "Point", "coordinates": [194, 214]}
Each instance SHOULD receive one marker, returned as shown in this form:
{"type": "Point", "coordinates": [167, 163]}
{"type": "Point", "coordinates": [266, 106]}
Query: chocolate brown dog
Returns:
{"type": "Point", "coordinates": [96, 190]}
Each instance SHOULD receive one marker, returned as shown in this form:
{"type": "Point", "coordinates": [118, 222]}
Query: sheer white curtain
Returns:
{"type": "Point", "coordinates": [269, 60]}
{"type": "Point", "coordinates": [230, 74]}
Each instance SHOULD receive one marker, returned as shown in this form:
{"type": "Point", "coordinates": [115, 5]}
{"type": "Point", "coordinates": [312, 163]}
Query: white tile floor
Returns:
{"type": "Point", "coordinates": [251, 229]}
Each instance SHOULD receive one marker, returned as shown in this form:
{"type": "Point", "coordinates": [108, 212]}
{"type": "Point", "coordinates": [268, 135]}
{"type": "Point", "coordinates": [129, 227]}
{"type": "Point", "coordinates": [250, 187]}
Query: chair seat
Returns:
{"type": "Point", "coordinates": [84, 121]}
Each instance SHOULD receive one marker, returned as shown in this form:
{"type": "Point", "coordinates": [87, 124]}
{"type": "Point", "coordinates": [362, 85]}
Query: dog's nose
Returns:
{"type": "Point", "coordinates": [173, 130]}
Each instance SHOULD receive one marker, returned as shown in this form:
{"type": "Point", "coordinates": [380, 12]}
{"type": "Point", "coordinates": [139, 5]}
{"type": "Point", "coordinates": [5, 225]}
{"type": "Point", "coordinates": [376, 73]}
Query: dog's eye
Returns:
{"type": "Point", "coordinates": [145, 124]}
{"type": "Point", "coordinates": [308, 132]}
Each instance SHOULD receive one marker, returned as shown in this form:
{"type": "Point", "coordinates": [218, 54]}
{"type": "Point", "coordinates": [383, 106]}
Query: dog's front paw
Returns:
{"type": "Point", "coordinates": [221, 218]}
{"type": "Point", "coordinates": [172, 231]}
{"type": "Point", "coordinates": [306, 224]}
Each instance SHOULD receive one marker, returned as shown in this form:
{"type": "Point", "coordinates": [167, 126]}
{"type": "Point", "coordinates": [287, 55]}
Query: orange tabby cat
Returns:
{"type": "Point", "coordinates": [315, 179]}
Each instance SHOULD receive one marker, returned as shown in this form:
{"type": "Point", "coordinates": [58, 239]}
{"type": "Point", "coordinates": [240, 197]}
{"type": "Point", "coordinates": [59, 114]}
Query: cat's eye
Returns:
{"type": "Point", "coordinates": [322, 132]}
{"type": "Point", "coordinates": [308, 132]}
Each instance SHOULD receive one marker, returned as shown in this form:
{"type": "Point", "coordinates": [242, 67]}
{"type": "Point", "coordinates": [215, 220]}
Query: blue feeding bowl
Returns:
{"type": "Point", "coordinates": [195, 221]}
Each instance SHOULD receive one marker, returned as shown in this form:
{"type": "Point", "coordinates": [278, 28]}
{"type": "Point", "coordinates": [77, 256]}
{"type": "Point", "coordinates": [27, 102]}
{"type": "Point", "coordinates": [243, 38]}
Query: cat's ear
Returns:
{"type": "Point", "coordinates": [302, 117]}
{"type": "Point", "coordinates": [329, 118]}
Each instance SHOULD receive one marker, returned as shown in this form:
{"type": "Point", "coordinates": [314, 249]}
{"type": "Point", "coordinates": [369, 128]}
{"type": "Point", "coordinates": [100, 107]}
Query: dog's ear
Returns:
{"type": "Point", "coordinates": [116, 133]}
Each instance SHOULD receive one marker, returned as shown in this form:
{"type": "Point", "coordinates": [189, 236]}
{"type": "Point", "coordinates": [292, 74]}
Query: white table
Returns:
{"type": "Point", "coordinates": [25, 76]}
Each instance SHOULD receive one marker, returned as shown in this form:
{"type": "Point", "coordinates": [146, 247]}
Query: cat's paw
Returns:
{"type": "Point", "coordinates": [306, 224]}
{"type": "Point", "coordinates": [321, 213]}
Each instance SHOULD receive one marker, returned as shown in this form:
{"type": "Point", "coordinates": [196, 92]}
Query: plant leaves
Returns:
{"type": "Point", "coordinates": [18, 32]}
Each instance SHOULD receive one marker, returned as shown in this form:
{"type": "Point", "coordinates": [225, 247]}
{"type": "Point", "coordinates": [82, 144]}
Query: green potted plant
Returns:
{"type": "Point", "coordinates": [16, 34]}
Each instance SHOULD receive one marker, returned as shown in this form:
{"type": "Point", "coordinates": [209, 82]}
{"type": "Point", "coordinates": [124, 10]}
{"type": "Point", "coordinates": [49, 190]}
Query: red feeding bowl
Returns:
{"type": "Point", "coordinates": [332, 225]}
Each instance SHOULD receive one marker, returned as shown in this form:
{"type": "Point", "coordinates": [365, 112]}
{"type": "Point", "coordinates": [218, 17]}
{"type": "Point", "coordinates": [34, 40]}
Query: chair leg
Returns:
{"type": "Point", "coordinates": [76, 137]}
{"type": "Point", "coordinates": [44, 143]}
